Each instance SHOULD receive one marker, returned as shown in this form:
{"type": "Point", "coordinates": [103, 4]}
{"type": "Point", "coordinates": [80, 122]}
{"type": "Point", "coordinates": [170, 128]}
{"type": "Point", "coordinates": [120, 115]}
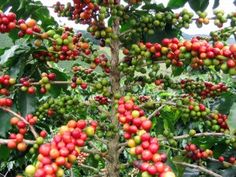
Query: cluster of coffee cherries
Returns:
{"type": "Point", "coordinates": [199, 52]}
{"type": "Point", "coordinates": [222, 34]}
{"type": "Point", "coordinates": [101, 99]}
{"type": "Point", "coordinates": [142, 145]}
{"type": "Point", "coordinates": [6, 102]}
{"type": "Point", "coordinates": [82, 11]}
{"type": "Point", "coordinates": [195, 153]}
{"type": "Point", "coordinates": [231, 159]}
{"type": "Point", "coordinates": [28, 27]}
{"type": "Point", "coordinates": [5, 82]}
{"type": "Point", "coordinates": [202, 19]}
{"type": "Point", "coordinates": [63, 150]}
{"type": "Point", "coordinates": [45, 81]}
{"type": "Point", "coordinates": [220, 19]}
{"type": "Point", "coordinates": [148, 23]}
{"type": "Point", "coordinates": [218, 121]}
{"type": "Point", "coordinates": [193, 109]}
{"type": "Point", "coordinates": [7, 22]}
{"type": "Point", "coordinates": [78, 81]}
{"type": "Point", "coordinates": [101, 32]}
{"type": "Point", "coordinates": [102, 86]}
{"type": "Point", "coordinates": [17, 140]}
{"type": "Point", "coordinates": [195, 88]}
{"type": "Point", "coordinates": [56, 106]}
{"type": "Point", "coordinates": [204, 89]}
{"type": "Point", "coordinates": [26, 85]}
{"type": "Point", "coordinates": [101, 61]}
{"type": "Point", "coordinates": [82, 157]}
{"type": "Point", "coordinates": [63, 45]}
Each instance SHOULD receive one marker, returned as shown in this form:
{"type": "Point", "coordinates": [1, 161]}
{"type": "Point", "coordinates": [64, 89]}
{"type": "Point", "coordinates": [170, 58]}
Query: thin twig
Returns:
{"type": "Point", "coordinates": [51, 82]}
{"type": "Point", "coordinates": [156, 111]}
{"type": "Point", "coordinates": [22, 119]}
{"type": "Point", "coordinates": [224, 162]}
{"type": "Point", "coordinates": [88, 167]}
{"type": "Point", "coordinates": [5, 141]}
{"type": "Point", "coordinates": [199, 168]}
{"type": "Point", "coordinates": [101, 140]}
{"type": "Point", "coordinates": [123, 144]}
{"type": "Point", "coordinates": [196, 135]}
{"type": "Point", "coordinates": [121, 150]}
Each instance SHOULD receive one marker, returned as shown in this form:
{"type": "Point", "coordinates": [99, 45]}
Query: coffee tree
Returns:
{"type": "Point", "coordinates": [154, 105]}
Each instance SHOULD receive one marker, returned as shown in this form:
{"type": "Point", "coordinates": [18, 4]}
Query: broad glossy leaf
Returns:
{"type": "Point", "coordinates": [231, 121]}
{"type": "Point", "coordinates": [226, 101]}
{"type": "Point", "coordinates": [5, 124]}
{"type": "Point", "coordinates": [216, 4]}
{"type": "Point", "coordinates": [56, 89]}
{"type": "Point", "coordinates": [174, 4]}
{"type": "Point", "coordinates": [6, 41]}
{"type": "Point", "coordinates": [156, 7]}
{"type": "Point", "coordinates": [5, 152]}
{"type": "Point", "coordinates": [8, 54]}
{"type": "Point", "coordinates": [197, 5]}
{"type": "Point", "coordinates": [176, 71]}
{"type": "Point", "coordinates": [26, 103]}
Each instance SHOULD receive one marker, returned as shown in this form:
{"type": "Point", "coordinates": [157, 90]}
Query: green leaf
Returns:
{"type": "Point", "coordinates": [198, 5]}
{"type": "Point", "coordinates": [56, 89]}
{"type": "Point", "coordinates": [231, 121]}
{"type": "Point", "coordinates": [26, 103]}
{"type": "Point", "coordinates": [176, 71]}
{"type": "Point", "coordinates": [5, 152]}
{"type": "Point", "coordinates": [5, 124]}
{"type": "Point", "coordinates": [170, 117]}
{"type": "Point", "coordinates": [6, 41]}
{"type": "Point", "coordinates": [226, 101]}
{"type": "Point", "coordinates": [156, 7]}
{"type": "Point", "coordinates": [174, 4]}
{"type": "Point", "coordinates": [204, 142]}
{"type": "Point", "coordinates": [8, 54]}
{"type": "Point", "coordinates": [216, 4]}
{"type": "Point", "coordinates": [179, 169]}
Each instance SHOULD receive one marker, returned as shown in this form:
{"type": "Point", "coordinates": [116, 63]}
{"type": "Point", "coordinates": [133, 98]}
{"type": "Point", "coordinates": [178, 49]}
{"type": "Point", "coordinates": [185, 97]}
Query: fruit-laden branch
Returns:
{"type": "Point", "coordinates": [51, 82]}
{"type": "Point", "coordinates": [199, 168]}
{"type": "Point", "coordinates": [22, 119]}
{"type": "Point", "coordinates": [224, 162]}
{"type": "Point", "coordinates": [5, 141]}
{"type": "Point", "coordinates": [156, 111]}
{"type": "Point", "coordinates": [121, 145]}
{"type": "Point", "coordinates": [196, 135]}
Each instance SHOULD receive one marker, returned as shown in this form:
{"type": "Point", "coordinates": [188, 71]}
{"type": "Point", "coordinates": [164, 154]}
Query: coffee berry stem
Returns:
{"type": "Point", "coordinates": [198, 167]}
{"type": "Point", "coordinates": [5, 141]}
{"type": "Point", "coordinates": [22, 119]}
{"type": "Point", "coordinates": [196, 135]}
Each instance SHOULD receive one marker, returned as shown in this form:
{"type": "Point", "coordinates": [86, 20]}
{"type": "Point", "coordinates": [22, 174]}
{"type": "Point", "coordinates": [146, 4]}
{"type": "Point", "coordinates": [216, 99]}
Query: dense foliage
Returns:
{"type": "Point", "coordinates": [133, 99]}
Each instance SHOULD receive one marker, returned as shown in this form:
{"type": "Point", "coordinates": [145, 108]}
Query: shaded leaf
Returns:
{"type": "Point", "coordinates": [56, 89]}
{"type": "Point", "coordinates": [5, 152]}
{"type": "Point", "coordinates": [179, 169]}
{"type": "Point", "coordinates": [176, 3]}
{"type": "Point", "coordinates": [216, 4]}
{"type": "Point", "coordinates": [176, 71]}
{"type": "Point", "coordinates": [8, 54]}
{"type": "Point", "coordinates": [156, 7]}
{"type": "Point", "coordinates": [26, 103]}
{"type": "Point", "coordinates": [6, 41]}
{"type": "Point", "coordinates": [226, 101]}
{"type": "Point", "coordinates": [198, 5]}
{"type": "Point", "coordinates": [231, 121]}
{"type": "Point", "coordinates": [5, 123]}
